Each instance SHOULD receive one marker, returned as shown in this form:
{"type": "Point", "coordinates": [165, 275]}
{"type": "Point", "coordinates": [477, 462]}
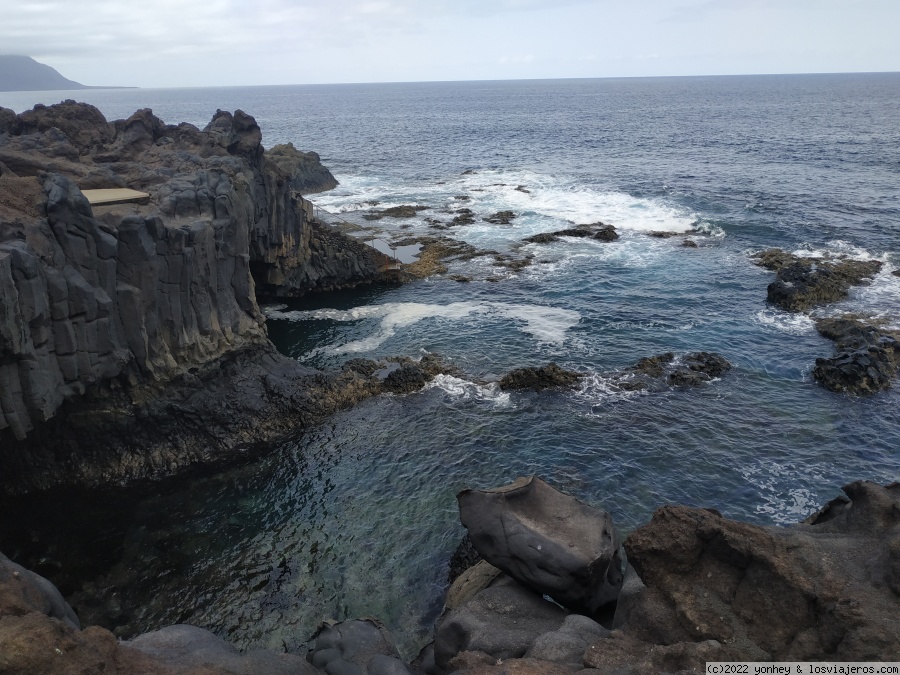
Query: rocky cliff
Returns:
{"type": "Point", "coordinates": [113, 319]}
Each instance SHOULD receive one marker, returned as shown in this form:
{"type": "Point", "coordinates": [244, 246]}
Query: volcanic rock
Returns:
{"type": "Point", "coordinates": [546, 540]}
{"type": "Point", "coordinates": [307, 174]}
{"type": "Point", "coordinates": [537, 379]}
{"type": "Point", "coordinates": [463, 217]}
{"type": "Point", "coordinates": [654, 373]}
{"type": "Point", "coordinates": [182, 647]}
{"type": "Point", "coordinates": [598, 231]}
{"type": "Point", "coordinates": [501, 218]}
{"type": "Point", "coordinates": [801, 283]}
{"type": "Point", "coordinates": [403, 211]}
{"type": "Point", "coordinates": [112, 316]}
{"type": "Point", "coordinates": [827, 589]}
{"type": "Point", "coordinates": [358, 647]}
{"type": "Point", "coordinates": [866, 358]}
{"type": "Point", "coordinates": [503, 621]}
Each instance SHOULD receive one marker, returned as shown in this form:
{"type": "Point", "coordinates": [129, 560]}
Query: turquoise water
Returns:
{"type": "Point", "coordinates": [358, 517]}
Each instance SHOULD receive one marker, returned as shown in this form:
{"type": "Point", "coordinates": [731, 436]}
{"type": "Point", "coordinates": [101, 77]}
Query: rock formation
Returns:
{"type": "Point", "coordinates": [866, 357]}
{"type": "Point", "coordinates": [547, 541]}
{"type": "Point", "coordinates": [801, 283]}
{"type": "Point", "coordinates": [655, 373]}
{"type": "Point", "coordinates": [598, 231]}
{"type": "Point", "coordinates": [307, 174]}
{"type": "Point", "coordinates": [118, 323]}
{"type": "Point", "coordinates": [704, 588]}
{"type": "Point", "coordinates": [536, 379]}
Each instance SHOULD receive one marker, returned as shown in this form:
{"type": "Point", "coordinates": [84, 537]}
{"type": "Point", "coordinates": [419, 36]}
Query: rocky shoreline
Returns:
{"type": "Point", "coordinates": [557, 591]}
{"type": "Point", "coordinates": [132, 347]}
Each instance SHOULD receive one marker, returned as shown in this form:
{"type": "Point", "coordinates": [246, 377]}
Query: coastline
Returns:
{"type": "Point", "coordinates": [178, 393]}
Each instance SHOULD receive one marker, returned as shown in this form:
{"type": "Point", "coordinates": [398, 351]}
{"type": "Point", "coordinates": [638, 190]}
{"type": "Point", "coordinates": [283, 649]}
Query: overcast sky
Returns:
{"type": "Point", "coordinates": [175, 43]}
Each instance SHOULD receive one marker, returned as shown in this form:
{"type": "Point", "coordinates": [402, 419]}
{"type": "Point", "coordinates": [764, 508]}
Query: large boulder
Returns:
{"type": "Point", "coordinates": [22, 592]}
{"type": "Point", "coordinates": [548, 541]}
{"type": "Point", "coordinates": [656, 373]}
{"type": "Point", "coordinates": [502, 621]}
{"type": "Point", "coordinates": [357, 647]}
{"type": "Point", "coordinates": [537, 379]}
{"type": "Point", "coordinates": [716, 589]}
{"type": "Point", "coordinates": [185, 648]}
{"type": "Point", "coordinates": [305, 171]}
{"type": "Point", "coordinates": [598, 231]}
{"type": "Point", "coordinates": [801, 283]}
{"type": "Point", "coordinates": [866, 357]}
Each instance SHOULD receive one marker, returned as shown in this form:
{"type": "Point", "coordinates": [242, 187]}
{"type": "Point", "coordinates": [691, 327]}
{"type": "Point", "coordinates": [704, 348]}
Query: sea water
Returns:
{"type": "Point", "coordinates": [358, 517]}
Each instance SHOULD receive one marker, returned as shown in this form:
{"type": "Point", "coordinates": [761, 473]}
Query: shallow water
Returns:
{"type": "Point", "coordinates": [358, 517]}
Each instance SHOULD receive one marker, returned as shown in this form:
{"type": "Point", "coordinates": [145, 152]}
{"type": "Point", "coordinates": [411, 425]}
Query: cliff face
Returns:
{"type": "Point", "coordinates": [111, 307]}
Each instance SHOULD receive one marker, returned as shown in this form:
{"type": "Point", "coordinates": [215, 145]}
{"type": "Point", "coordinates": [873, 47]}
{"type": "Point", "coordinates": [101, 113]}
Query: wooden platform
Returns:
{"type": "Point", "coordinates": [115, 196]}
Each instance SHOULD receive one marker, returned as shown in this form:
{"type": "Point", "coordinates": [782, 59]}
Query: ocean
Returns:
{"type": "Point", "coordinates": [358, 517]}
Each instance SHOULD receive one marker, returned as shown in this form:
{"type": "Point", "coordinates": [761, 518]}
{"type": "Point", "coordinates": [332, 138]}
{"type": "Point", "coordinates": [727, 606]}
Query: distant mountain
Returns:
{"type": "Point", "coordinates": [23, 73]}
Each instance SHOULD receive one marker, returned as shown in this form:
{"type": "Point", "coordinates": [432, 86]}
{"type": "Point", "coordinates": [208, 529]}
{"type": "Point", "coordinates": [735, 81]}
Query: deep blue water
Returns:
{"type": "Point", "coordinates": [358, 517]}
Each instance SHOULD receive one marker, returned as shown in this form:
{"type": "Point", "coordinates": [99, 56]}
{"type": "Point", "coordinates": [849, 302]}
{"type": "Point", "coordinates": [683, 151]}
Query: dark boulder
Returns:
{"type": "Point", "coordinates": [801, 283]}
{"type": "Point", "coordinates": [501, 218]}
{"type": "Point", "coordinates": [357, 647]}
{"type": "Point", "coordinates": [546, 540]}
{"type": "Point", "coordinates": [654, 373]}
{"type": "Point", "coordinates": [402, 211]}
{"type": "Point", "coordinates": [866, 358]}
{"type": "Point", "coordinates": [307, 173]}
{"type": "Point", "coordinates": [409, 377]}
{"type": "Point", "coordinates": [502, 620]}
{"type": "Point", "coordinates": [598, 231]}
{"type": "Point", "coordinates": [463, 217]}
{"type": "Point", "coordinates": [464, 557]}
{"type": "Point", "coordinates": [537, 379]}
{"type": "Point", "coordinates": [185, 648]}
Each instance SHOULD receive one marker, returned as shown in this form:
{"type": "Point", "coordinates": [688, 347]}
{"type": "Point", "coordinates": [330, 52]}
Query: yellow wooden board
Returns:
{"type": "Point", "coordinates": [114, 196]}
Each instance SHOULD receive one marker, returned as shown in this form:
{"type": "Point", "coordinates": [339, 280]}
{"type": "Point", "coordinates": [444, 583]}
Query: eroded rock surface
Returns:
{"type": "Point", "coordinates": [656, 373]}
{"type": "Point", "coordinates": [598, 231]}
{"type": "Point", "coordinates": [305, 169]}
{"type": "Point", "coordinates": [358, 647]}
{"type": "Point", "coordinates": [801, 283]}
{"type": "Point", "coordinates": [827, 589]}
{"type": "Point", "coordinates": [537, 379]}
{"type": "Point", "coordinates": [866, 357]}
{"type": "Point", "coordinates": [102, 308]}
{"type": "Point", "coordinates": [547, 541]}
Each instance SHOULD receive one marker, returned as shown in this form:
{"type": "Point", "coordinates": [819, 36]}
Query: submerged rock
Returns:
{"type": "Point", "coordinates": [654, 373]}
{"type": "Point", "coordinates": [801, 283]}
{"type": "Point", "coordinates": [598, 231]}
{"type": "Point", "coordinates": [402, 211]}
{"type": "Point", "coordinates": [501, 218]}
{"type": "Point", "coordinates": [828, 588]}
{"type": "Point", "coordinates": [866, 358]}
{"type": "Point", "coordinates": [537, 379]}
{"type": "Point", "coordinates": [546, 540]}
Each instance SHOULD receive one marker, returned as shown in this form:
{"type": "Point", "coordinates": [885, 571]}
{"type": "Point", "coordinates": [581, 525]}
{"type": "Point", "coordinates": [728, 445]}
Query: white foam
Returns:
{"type": "Point", "coordinates": [550, 203]}
{"type": "Point", "coordinates": [596, 389]}
{"type": "Point", "coordinates": [545, 324]}
{"type": "Point", "coordinates": [837, 248]}
{"type": "Point", "coordinates": [469, 391]}
{"type": "Point", "coordinates": [782, 501]}
{"type": "Point", "coordinates": [786, 322]}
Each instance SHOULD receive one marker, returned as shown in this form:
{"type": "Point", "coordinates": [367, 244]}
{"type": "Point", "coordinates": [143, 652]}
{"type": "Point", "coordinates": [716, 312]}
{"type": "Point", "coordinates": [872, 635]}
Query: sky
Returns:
{"type": "Point", "coordinates": [184, 43]}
